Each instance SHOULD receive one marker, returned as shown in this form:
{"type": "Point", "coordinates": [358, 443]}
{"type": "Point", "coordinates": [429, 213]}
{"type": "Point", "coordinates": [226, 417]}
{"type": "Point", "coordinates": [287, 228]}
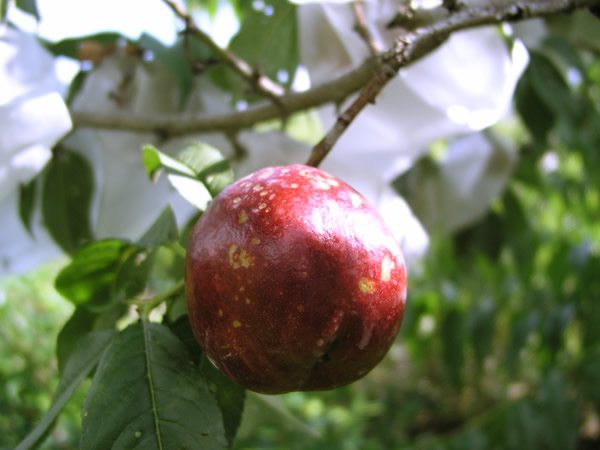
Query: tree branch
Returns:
{"type": "Point", "coordinates": [371, 77]}
{"type": "Point", "coordinates": [333, 91]}
{"type": "Point", "coordinates": [362, 28]}
{"type": "Point", "coordinates": [259, 82]}
{"type": "Point", "coordinates": [415, 45]}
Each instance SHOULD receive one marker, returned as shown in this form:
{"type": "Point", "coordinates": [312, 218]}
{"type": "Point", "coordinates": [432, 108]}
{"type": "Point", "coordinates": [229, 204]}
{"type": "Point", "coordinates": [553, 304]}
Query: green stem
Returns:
{"type": "Point", "coordinates": [178, 248]}
{"type": "Point", "coordinates": [147, 306]}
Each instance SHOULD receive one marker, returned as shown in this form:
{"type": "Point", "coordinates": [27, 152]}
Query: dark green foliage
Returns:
{"type": "Point", "coordinates": [146, 394]}
{"type": "Point", "coordinates": [29, 6]}
{"type": "Point", "coordinates": [268, 41]}
{"type": "Point", "coordinates": [230, 396]}
{"type": "Point", "coordinates": [500, 346]}
{"type": "Point", "coordinates": [27, 197]}
{"type": "Point", "coordinates": [66, 199]}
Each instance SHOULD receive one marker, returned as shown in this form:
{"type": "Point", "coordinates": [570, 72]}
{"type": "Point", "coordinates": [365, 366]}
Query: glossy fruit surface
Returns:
{"type": "Point", "coordinates": [293, 282]}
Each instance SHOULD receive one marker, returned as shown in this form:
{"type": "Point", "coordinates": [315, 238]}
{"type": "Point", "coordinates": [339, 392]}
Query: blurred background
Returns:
{"type": "Point", "coordinates": [500, 344]}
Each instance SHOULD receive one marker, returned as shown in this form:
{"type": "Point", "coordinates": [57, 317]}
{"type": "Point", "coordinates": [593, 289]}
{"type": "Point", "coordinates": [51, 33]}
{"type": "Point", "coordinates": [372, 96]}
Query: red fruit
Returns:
{"type": "Point", "coordinates": [294, 282]}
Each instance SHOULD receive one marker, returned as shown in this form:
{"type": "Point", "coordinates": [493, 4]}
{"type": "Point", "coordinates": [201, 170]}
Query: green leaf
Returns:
{"type": "Point", "coordinates": [177, 59]}
{"type": "Point", "coordinates": [66, 200]}
{"type": "Point", "coordinates": [84, 358]}
{"type": "Point", "coordinates": [133, 273]}
{"type": "Point", "coordinates": [550, 86]}
{"type": "Point", "coordinates": [70, 47]}
{"type": "Point", "coordinates": [154, 396]}
{"type": "Point", "coordinates": [180, 175]}
{"type": "Point", "coordinates": [480, 321]}
{"type": "Point", "coordinates": [3, 9]}
{"type": "Point", "coordinates": [90, 277]}
{"type": "Point", "coordinates": [29, 6]}
{"type": "Point", "coordinates": [80, 322]}
{"type": "Point", "coordinates": [558, 414]}
{"type": "Point", "coordinates": [27, 203]}
{"type": "Point", "coordinates": [210, 6]}
{"type": "Point", "coordinates": [452, 336]}
{"type": "Point", "coordinates": [230, 396]}
{"type": "Point", "coordinates": [209, 164]}
{"type": "Point", "coordinates": [162, 231]}
{"type": "Point", "coordinates": [267, 40]}
{"type": "Point", "coordinates": [536, 115]}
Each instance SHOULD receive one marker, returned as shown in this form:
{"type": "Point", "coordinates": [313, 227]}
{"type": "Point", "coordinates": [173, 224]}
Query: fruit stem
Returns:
{"type": "Point", "coordinates": [178, 248]}
{"type": "Point", "coordinates": [147, 306]}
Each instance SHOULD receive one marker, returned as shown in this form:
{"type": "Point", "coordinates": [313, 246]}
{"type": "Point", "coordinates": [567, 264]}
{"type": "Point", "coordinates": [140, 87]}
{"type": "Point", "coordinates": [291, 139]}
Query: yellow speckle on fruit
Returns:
{"type": "Point", "coordinates": [262, 206]}
{"type": "Point", "coordinates": [294, 185]}
{"type": "Point", "coordinates": [237, 324]}
{"type": "Point", "coordinates": [245, 258]}
{"type": "Point", "coordinates": [366, 286]}
{"type": "Point", "coordinates": [243, 218]}
{"type": "Point", "coordinates": [386, 269]}
{"type": "Point", "coordinates": [236, 297]}
{"type": "Point", "coordinates": [264, 193]}
{"type": "Point", "coordinates": [220, 313]}
{"type": "Point", "coordinates": [246, 184]}
{"type": "Point", "coordinates": [333, 182]}
{"type": "Point", "coordinates": [239, 258]}
{"type": "Point", "coordinates": [356, 200]}
{"type": "Point", "coordinates": [248, 301]}
{"type": "Point", "coordinates": [232, 250]}
{"type": "Point", "coordinates": [255, 241]}
{"type": "Point", "coordinates": [236, 200]}
{"type": "Point", "coordinates": [258, 188]}
{"type": "Point", "coordinates": [242, 288]}
{"type": "Point", "coordinates": [285, 170]}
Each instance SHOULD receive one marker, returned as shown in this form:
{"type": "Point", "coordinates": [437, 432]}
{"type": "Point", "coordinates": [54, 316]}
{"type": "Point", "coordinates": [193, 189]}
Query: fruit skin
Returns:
{"type": "Point", "coordinates": [293, 282]}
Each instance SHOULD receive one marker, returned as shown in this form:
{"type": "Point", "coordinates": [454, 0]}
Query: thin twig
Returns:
{"type": "Point", "coordinates": [413, 46]}
{"type": "Point", "coordinates": [259, 82]}
{"type": "Point", "coordinates": [372, 75]}
{"type": "Point", "coordinates": [362, 28]}
{"type": "Point", "coordinates": [333, 91]}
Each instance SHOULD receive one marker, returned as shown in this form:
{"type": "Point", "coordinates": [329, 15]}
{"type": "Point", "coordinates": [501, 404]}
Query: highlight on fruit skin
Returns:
{"type": "Point", "coordinates": [294, 282]}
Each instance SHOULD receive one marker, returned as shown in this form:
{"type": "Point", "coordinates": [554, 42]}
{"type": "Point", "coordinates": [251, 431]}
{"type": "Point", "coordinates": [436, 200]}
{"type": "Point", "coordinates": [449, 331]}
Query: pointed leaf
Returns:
{"type": "Point", "coordinates": [80, 322]}
{"type": "Point", "coordinates": [29, 6]}
{"type": "Point", "coordinates": [103, 270]}
{"type": "Point", "coordinates": [66, 200]}
{"type": "Point", "coordinates": [90, 274]}
{"type": "Point", "coordinates": [147, 394]}
{"type": "Point", "coordinates": [209, 165]}
{"type": "Point", "coordinates": [162, 231]}
{"type": "Point", "coordinates": [550, 86]}
{"type": "Point", "coordinates": [230, 396]}
{"type": "Point", "coordinates": [27, 203]}
{"type": "Point", "coordinates": [85, 357]}
{"type": "Point", "coordinates": [181, 176]}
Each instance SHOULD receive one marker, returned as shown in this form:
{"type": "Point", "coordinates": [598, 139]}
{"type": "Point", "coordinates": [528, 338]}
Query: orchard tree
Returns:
{"type": "Point", "coordinates": [228, 185]}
